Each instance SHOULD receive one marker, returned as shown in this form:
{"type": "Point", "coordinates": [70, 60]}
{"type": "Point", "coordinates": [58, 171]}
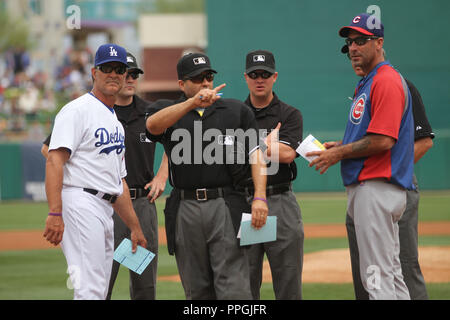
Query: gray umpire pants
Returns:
{"type": "Point", "coordinates": [409, 254]}
{"type": "Point", "coordinates": [376, 206]}
{"type": "Point", "coordinates": [285, 255]}
{"type": "Point", "coordinates": [142, 287]}
{"type": "Point", "coordinates": [210, 261]}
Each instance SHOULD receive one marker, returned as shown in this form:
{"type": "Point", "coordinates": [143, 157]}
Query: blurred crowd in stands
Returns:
{"type": "Point", "coordinates": [30, 98]}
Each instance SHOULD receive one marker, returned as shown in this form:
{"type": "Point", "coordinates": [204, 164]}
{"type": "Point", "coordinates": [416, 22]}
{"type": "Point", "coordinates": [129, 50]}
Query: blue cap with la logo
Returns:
{"type": "Point", "coordinates": [110, 52]}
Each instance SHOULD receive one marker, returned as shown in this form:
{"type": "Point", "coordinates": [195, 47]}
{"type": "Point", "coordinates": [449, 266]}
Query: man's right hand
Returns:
{"type": "Point", "coordinates": [206, 97]}
{"type": "Point", "coordinates": [137, 238]}
{"type": "Point", "coordinates": [54, 229]}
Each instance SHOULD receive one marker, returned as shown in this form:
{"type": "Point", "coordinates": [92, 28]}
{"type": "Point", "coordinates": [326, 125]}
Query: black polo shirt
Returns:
{"type": "Point", "coordinates": [422, 127]}
{"type": "Point", "coordinates": [291, 132]}
{"type": "Point", "coordinates": [139, 151]}
{"type": "Point", "coordinates": [197, 146]}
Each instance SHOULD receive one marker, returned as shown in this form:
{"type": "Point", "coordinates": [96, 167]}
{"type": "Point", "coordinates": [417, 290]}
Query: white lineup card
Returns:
{"type": "Point", "coordinates": [309, 144]}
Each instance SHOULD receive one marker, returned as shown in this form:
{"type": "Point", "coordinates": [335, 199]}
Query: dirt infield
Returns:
{"type": "Point", "coordinates": [333, 266]}
{"type": "Point", "coordinates": [32, 239]}
{"type": "Point", "coordinates": [327, 266]}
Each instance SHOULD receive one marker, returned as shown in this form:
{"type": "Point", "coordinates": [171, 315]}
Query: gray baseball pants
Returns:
{"type": "Point", "coordinates": [142, 287]}
{"type": "Point", "coordinates": [409, 255]}
{"type": "Point", "coordinates": [376, 206]}
{"type": "Point", "coordinates": [285, 255]}
{"type": "Point", "coordinates": [210, 261]}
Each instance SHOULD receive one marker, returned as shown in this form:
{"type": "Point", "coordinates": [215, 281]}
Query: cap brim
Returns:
{"type": "Point", "coordinates": [345, 30]}
{"type": "Point", "coordinates": [138, 70]}
{"type": "Point", "coordinates": [198, 71]}
{"type": "Point", "coordinates": [260, 67]}
{"type": "Point", "coordinates": [111, 60]}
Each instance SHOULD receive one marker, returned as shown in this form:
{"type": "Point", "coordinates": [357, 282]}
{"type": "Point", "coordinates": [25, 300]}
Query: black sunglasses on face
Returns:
{"type": "Point", "coordinates": [133, 75]}
{"type": "Point", "coordinates": [199, 78]}
{"type": "Point", "coordinates": [265, 75]}
{"type": "Point", "coordinates": [107, 68]}
{"type": "Point", "coordinates": [360, 41]}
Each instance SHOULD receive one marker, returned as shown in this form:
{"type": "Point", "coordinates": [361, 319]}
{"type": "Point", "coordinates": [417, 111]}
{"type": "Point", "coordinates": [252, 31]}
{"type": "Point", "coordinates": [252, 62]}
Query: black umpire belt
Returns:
{"type": "Point", "coordinates": [203, 194]}
{"type": "Point", "coordinates": [101, 195]}
{"type": "Point", "coordinates": [136, 193]}
{"type": "Point", "coordinates": [270, 190]}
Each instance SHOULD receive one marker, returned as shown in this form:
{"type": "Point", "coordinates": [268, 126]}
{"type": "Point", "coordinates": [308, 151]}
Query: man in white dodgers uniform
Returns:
{"type": "Point", "coordinates": [84, 180]}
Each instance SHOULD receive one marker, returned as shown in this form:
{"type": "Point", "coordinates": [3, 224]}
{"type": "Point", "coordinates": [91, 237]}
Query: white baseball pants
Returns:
{"type": "Point", "coordinates": [88, 242]}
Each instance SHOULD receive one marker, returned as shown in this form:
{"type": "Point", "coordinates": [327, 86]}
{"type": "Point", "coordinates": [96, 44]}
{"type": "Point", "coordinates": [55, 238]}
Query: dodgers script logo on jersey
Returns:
{"type": "Point", "coordinates": [112, 141]}
{"type": "Point", "coordinates": [357, 111]}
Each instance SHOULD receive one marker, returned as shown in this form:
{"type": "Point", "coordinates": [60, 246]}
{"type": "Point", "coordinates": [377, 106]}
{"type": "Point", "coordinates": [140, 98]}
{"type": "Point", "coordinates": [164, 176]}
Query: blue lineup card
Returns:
{"type": "Point", "coordinates": [250, 235]}
{"type": "Point", "coordinates": [137, 261]}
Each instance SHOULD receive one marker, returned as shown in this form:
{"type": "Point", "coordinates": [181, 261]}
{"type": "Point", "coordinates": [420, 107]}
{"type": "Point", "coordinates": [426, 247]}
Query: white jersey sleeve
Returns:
{"type": "Point", "coordinates": [66, 134]}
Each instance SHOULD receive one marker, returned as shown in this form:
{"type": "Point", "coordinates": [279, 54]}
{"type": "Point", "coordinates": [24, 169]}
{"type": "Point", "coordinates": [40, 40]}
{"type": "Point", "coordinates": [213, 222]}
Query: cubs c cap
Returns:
{"type": "Point", "coordinates": [193, 64]}
{"type": "Point", "coordinates": [260, 60]}
{"type": "Point", "coordinates": [132, 63]}
{"type": "Point", "coordinates": [110, 52]}
{"type": "Point", "coordinates": [366, 24]}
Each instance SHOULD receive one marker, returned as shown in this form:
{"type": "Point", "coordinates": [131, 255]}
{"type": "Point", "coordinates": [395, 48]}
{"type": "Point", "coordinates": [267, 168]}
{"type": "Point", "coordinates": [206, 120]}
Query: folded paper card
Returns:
{"type": "Point", "coordinates": [137, 261]}
{"type": "Point", "coordinates": [250, 235]}
{"type": "Point", "coordinates": [309, 144]}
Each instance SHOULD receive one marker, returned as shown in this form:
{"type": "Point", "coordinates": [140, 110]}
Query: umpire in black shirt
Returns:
{"type": "Point", "coordinates": [285, 122]}
{"type": "Point", "coordinates": [144, 186]}
{"type": "Point", "coordinates": [198, 132]}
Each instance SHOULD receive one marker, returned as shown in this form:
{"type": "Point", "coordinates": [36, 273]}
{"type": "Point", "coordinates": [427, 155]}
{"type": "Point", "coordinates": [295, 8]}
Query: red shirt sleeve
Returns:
{"type": "Point", "coordinates": [387, 102]}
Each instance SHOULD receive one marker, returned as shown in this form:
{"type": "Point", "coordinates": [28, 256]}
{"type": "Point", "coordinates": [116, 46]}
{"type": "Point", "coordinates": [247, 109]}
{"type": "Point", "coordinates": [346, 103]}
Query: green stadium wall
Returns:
{"type": "Point", "coordinates": [317, 79]}
{"type": "Point", "coordinates": [313, 75]}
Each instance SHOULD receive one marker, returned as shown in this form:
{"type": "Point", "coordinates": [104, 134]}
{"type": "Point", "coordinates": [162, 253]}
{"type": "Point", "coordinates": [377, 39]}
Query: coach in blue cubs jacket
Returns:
{"type": "Point", "coordinates": [377, 158]}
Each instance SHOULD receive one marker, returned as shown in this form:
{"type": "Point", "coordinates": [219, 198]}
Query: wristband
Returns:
{"type": "Point", "coordinates": [262, 199]}
{"type": "Point", "coordinates": [55, 214]}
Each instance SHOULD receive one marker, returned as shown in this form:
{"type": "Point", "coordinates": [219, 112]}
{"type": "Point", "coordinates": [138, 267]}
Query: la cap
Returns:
{"type": "Point", "coordinates": [110, 52]}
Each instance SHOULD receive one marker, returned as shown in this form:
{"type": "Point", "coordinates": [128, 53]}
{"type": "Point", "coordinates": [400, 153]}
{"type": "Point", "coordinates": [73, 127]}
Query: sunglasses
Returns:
{"type": "Point", "coordinates": [199, 79]}
{"type": "Point", "coordinates": [265, 75]}
{"type": "Point", "coordinates": [133, 75]}
{"type": "Point", "coordinates": [108, 68]}
{"type": "Point", "coordinates": [360, 41]}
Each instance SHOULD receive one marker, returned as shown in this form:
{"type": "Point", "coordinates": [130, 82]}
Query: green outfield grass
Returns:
{"type": "Point", "coordinates": [41, 274]}
{"type": "Point", "coordinates": [322, 208]}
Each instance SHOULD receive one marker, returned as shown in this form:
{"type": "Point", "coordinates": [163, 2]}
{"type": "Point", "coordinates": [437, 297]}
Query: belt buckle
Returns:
{"type": "Point", "coordinates": [133, 193]}
{"type": "Point", "coordinates": [197, 194]}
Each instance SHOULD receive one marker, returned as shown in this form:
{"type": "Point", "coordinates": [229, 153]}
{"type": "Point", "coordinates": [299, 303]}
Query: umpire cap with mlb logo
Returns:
{"type": "Point", "coordinates": [260, 60]}
{"type": "Point", "coordinates": [132, 63]}
{"type": "Point", "coordinates": [192, 64]}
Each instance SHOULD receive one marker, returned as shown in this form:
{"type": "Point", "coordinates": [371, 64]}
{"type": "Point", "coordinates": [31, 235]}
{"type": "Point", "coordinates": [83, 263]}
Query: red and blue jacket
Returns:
{"type": "Point", "coordinates": [381, 105]}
